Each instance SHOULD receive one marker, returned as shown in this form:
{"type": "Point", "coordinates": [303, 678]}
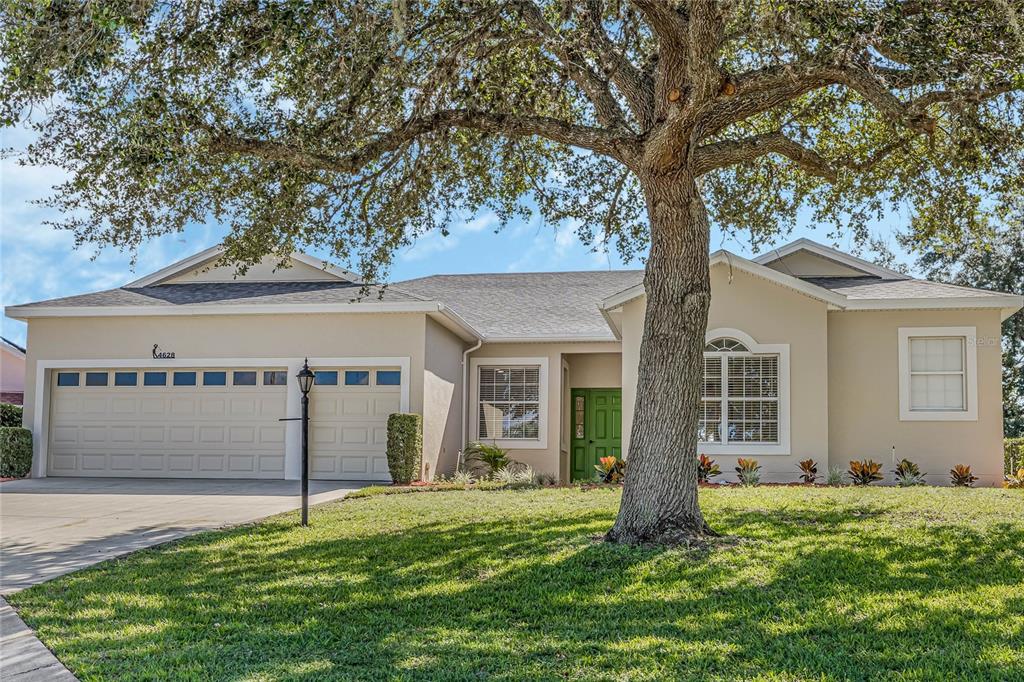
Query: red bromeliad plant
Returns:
{"type": "Point", "coordinates": [809, 469]}
{"type": "Point", "coordinates": [866, 472]}
{"type": "Point", "coordinates": [961, 476]}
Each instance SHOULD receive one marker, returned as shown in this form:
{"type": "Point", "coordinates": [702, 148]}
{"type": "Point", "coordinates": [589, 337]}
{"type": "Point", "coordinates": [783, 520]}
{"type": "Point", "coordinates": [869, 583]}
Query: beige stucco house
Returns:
{"type": "Point", "coordinates": [811, 353]}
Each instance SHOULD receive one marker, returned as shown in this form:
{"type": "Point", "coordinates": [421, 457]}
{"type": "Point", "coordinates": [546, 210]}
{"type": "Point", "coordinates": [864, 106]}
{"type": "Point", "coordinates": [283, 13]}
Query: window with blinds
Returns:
{"type": "Point", "coordinates": [937, 376]}
{"type": "Point", "coordinates": [740, 395]}
{"type": "Point", "coordinates": [509, 404]}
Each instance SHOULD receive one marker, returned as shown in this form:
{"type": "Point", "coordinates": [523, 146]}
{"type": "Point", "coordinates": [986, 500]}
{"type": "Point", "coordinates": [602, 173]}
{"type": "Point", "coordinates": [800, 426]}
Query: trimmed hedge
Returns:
{"type": "Point", "coordinates": [405, 446]}
{"type": "Point", "coordinates": [1013, 455]}
{"type": "Point", "coordinates": [10, 415]}
{"type": "Point", "coordinates": [15, 452]}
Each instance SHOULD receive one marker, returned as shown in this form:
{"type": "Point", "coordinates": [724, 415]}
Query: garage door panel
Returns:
{"type": "Point", "coordinates": [167, 431]}
{"type": "Point", "coordinates": [348, 437]}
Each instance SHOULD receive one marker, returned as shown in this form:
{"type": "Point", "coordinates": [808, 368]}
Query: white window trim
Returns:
{"type": "Point", "coordinates": [970, 336]}
{"type": "Point", "coordinates": [783, 447]}
{"type": "Point", "coordinates": [539, 443]}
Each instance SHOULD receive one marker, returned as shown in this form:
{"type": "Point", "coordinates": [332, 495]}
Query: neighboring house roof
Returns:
{"type": "Point", "coordinates": [532, 305]}
{"type": "Point", "coordinates": [12, 347]}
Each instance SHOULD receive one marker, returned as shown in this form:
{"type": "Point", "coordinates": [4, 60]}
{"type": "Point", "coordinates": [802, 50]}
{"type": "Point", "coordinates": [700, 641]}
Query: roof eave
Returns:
{"type": "Point", "coordinates": [828, 252]}
{"type": "Point", "coordinates": [26, 312]}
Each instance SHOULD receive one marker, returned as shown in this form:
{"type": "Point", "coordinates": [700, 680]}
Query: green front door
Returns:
{"type": "Point", "coordinates": [596, 428]}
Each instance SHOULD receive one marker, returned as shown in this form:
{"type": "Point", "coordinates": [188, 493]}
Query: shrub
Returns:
{"type": "Point", "coordinates": [515, 475]}
{"type": "Point", "coordinates": [405, 446]}
{"type": "Point", "coordinates": [545, 478]}
{"type": "Point", "coordinates": [1013, 455]}
{"type": "Point", "coordinates": [611, 469]}
{"type": "Point", "coordinates": [707, 469]}
{"type": "Point", "coordinates": [961, 476]}
{"type": "Point", "coordinates": [1014, 480]}
{"type": "Point", "coordinates": [865, 472]}
{"type": "Point", "coordinates": [908, 474]}
{"type": "Point", "coordinates": [835, 476]}
{"type": "Point", "coordinates": [10, 415]}
{"type": "Point", "coordinates": [748, 471]}
{"type": "Point", "coordinates": [489, 457]}
{"type": "Point", "coordinates": [461, 478]}
{"type": "Point", "coordinates": [809, 469]}
{"type": "Point", "coordinates": [15, 452]}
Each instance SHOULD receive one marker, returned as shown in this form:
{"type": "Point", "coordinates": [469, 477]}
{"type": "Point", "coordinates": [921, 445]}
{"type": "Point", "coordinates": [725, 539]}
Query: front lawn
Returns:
{"type": "Point", "coordinates": [822, 584]}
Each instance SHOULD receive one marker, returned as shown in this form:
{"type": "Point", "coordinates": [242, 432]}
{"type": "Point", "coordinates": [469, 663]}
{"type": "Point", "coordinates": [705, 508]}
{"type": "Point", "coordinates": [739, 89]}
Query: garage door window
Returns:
{"type": "Point", "coordinates": [275, 378]}
{"type": "Point", "coordinates": [326, 378]}
{"type": "Point", "coordinates": [243, 378]}
{"type": "Point", "coordinates": [154, 379]}
{"type": "Point", "coordinates": [67, 378]}
{"type": "Point", "coordinates": [126, 379]}
{"type": "Point", "coordinates": [357, 378]}
{"type": "Point", "coordinates": [96, 378]}
{"type": "Point", "coordinates": [389, 378]}
{"type": "Point", "coordinates": [184, 378]}
{"type": "Point", "coordinates": [215, 378]}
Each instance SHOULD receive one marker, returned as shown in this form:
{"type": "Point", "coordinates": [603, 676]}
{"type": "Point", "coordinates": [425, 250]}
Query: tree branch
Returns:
{"type": "Point", "coordinates": [583, 137]}
{"type": "Point", "coordinates": [635, 85]}
{"type": "Point", "coordinates": [729, 152]}
{"type": "Point", "coordinates": [607, 109]}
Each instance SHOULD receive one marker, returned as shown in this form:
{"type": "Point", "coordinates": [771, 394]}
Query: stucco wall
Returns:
{"type": "Point", "coordinates": [228, 336]}
{"type": "Point", "coordinates": [264, 271]}
{"type": "Point", "coordinates": [806, 264]}
{"type": "Point", "coordinates": [549, 459]}
{"type": "Point", "coordinates": [771, 314]}
{"type": "Point", "coordinates": [595, 370]}
{"type": "Point", "coordinates": [12, 371]}
{"type": "Point", "coordinates": [442, 400]}
{"type": "Point", "coordinates": [864, 395]}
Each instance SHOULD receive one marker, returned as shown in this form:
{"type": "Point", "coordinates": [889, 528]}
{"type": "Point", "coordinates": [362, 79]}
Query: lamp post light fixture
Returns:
{"type": "Point", "coordinates": [305, 377]}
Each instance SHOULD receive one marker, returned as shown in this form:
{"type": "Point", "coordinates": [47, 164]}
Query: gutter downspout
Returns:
{"type": "Point", "coordinates": [465, 398]}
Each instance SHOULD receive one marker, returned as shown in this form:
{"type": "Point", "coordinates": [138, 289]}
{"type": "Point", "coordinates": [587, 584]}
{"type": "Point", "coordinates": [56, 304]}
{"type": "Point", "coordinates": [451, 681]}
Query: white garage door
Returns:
{"type": "Point", "coordinates": [349, 408]}
{"type": "Point", "coordinates": [173, 423]}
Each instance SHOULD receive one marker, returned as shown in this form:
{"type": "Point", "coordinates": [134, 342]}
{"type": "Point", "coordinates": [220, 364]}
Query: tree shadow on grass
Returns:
{"type": "Point", "coordinates": [804, 594]}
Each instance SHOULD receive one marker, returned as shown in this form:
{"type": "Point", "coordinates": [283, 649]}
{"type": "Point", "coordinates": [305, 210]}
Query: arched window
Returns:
{"type": "Point", "coordinates": [740, 394]}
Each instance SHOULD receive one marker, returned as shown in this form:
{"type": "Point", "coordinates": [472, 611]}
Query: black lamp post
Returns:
{"type": "Point", "coordinates": [305, 377]}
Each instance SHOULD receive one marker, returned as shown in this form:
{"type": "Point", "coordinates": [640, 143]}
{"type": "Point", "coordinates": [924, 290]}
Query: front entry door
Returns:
{"type": "Point", "coordinates": [596, 428]}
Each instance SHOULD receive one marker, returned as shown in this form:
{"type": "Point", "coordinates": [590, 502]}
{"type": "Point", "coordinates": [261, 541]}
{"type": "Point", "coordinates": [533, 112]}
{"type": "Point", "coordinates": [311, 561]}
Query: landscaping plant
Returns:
{"type": "Point", "coordinates": [908, 474]}
{"type": "Point", "coordinates": [1014, 480]}
{"type": "Point", "coordinates": [490, 457]}
{"type": "Point", "coordinates": [961, 476]}
{"type": "Point", "coordinates": [809, 469]}
{"type": "Point", "coordinates": [707, 469]}
{"type": "Point", "coordinates": [748, 471]}
{"type": "Point", "coordinates": [865, 472]}
{"type": "Point", "coordinates": [10, 415]}
{"type": "Point", "coordinates": [835, 476]}
{"type": "Point", "coordinates": [515, 475]}
{"type": "Point", "coordinates": [611, 469]}
{"type": "Point", "coordinates": [405, 446]}
{"type": "Point", "coordinates": [15, 452]}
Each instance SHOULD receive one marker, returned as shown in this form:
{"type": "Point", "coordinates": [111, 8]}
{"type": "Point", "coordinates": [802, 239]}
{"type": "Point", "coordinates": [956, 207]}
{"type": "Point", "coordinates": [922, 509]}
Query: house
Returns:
{"type": "Point", "coordinates": [12, 372]}
{"type": "Point", "coordinates": [811, 352]}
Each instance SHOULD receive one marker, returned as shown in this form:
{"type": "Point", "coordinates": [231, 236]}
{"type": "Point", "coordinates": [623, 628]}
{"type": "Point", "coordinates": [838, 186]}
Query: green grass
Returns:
{"type": "Point", "coordinates": [821, 584]}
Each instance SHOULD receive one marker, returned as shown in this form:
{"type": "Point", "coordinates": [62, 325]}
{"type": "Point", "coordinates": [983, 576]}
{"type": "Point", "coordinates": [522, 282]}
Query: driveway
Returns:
{"type": "Point", "coordinates": [52, 526]}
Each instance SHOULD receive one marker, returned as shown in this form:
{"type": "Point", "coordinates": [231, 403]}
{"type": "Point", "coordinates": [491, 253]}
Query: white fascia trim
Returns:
{"type": "Point", "coordinates": [321, 264]}
{"type": "Point", "coordinates": [25, 312]}
{"type": "Point", "coordinates": [540, 443]}
{"type": "Point", "coordinates": [549, 339]}
{"type": "Point", "coordinates": [970, 335]}
{"type": "Point", "coordinates": [11, 348]}
{"type": "Point", "coordinates": [469, 333]}
{"type": "Point", "coordinates": [1007, 302]}
{"type": "Point", "coordinates": [828, 252]}
{"type": "Point", "coordinates": [783, 447]}
{"type": "Point", "coordinates": [293, 461]}
{"type": "Point", "coordinates": [623, 297]}
{"type": "Point", "coordinates": [184, 265]}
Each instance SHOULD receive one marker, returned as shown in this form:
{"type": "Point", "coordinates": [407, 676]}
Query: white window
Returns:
{"type": "Point", "coordinates": [744, 396]}
{"type": "Point", "coordinates": [510, 401]}
{"type": "Point", "coordinates": [938, 373]}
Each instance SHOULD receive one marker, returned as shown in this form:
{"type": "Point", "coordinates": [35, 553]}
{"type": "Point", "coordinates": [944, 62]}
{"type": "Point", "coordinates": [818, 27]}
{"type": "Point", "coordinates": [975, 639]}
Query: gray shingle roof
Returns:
{"type": "Point", "coordinates": [534, 304]}
{"type": "Point", "coordinates": [235, 293]}
{"type": "Point", "coordinates": [856, 288]}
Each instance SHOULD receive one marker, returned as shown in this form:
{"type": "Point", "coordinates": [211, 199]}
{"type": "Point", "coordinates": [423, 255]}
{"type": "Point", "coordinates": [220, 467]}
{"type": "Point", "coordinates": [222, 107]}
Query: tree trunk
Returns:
{"type": "Point", "coordinates": [659, 503]}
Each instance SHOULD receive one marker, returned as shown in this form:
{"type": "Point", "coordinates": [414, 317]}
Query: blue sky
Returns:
{"type": "Point", "coordinates": [39, 262]}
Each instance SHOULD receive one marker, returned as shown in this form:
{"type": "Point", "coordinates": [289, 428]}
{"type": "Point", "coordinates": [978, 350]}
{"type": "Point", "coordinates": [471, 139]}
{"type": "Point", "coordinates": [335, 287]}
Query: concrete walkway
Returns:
{"type": "Point", "coordinates": [53, 526]}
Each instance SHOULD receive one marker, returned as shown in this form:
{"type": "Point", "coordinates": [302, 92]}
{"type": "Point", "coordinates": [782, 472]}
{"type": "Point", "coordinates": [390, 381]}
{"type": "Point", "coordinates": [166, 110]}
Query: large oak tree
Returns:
{"type": "Point", "coordinates": [358, 125]}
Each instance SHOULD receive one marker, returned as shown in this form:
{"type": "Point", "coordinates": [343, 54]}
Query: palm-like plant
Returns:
{"type": "Point", "coordinates": [908, 474]}
{"type": "Point", "coordinates": [482, 454]}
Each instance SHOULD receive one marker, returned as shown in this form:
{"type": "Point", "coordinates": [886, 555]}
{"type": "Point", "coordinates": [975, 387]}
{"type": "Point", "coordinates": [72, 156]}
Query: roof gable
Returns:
{"type": "Point", "coordinates": [807, 258]}
{"type": "Point", "coordinates": [206, 266]}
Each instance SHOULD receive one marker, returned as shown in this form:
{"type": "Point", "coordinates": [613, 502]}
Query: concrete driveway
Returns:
{"type": "Point", "coordinates": [52, 526]}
